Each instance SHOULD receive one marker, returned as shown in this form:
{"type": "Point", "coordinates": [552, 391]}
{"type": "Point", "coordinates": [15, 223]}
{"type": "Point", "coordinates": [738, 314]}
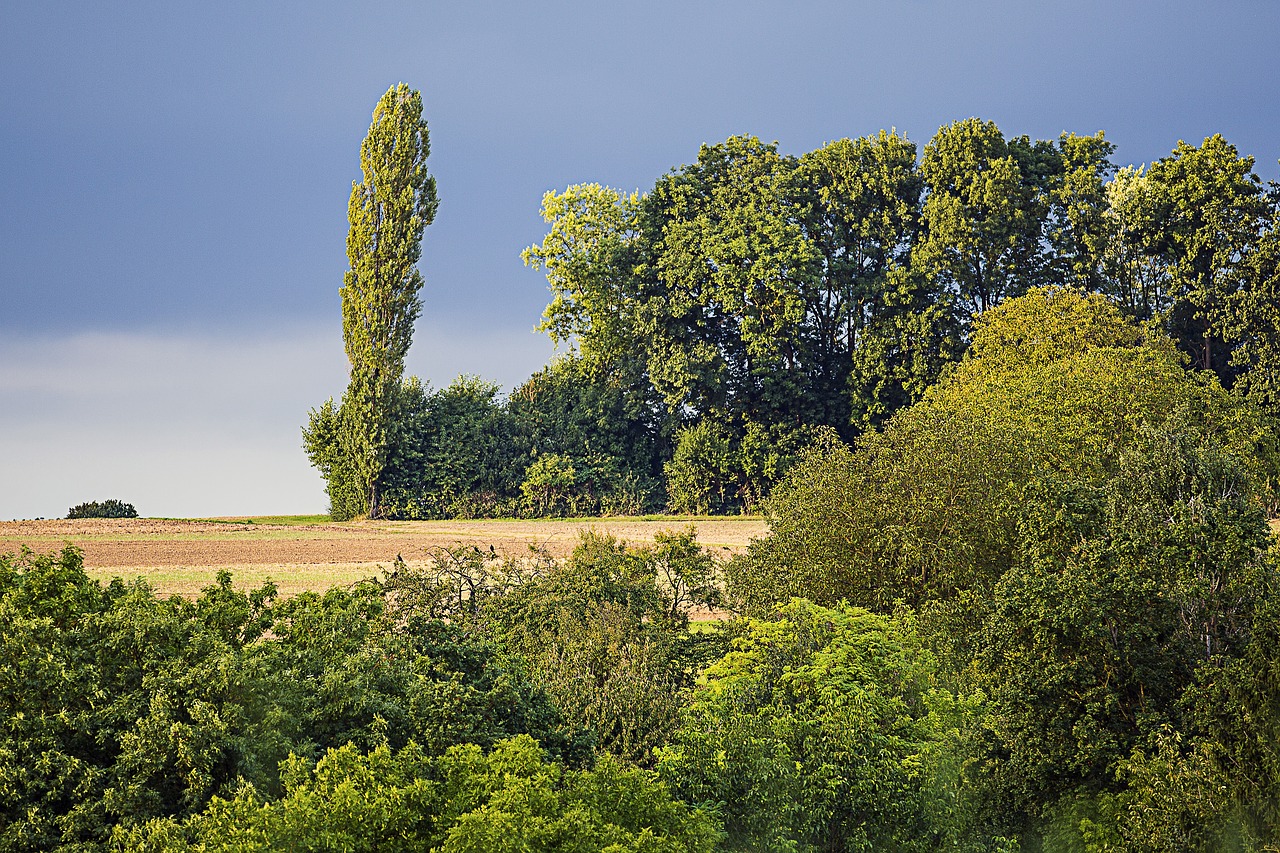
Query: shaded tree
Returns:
{"type": "Point", "coordinates": [1208, 212]}
{"type": "Point", "coordinates": [985, 213]}
{"type": "Point", "coordinates": [818, 732]}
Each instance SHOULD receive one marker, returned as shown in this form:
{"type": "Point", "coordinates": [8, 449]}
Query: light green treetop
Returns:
{"type": "Point", "coordinates": [390, 206]}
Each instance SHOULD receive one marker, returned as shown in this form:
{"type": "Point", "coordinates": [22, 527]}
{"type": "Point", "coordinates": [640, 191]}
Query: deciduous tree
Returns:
{"type": "Point", "coordinates": [390, 206]}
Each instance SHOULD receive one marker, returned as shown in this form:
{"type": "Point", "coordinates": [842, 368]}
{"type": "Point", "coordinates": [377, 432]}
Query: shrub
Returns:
{"type": "Point", "coordinates": [106, 509]}
{"type": "Point", "coordinates": [702, 471]}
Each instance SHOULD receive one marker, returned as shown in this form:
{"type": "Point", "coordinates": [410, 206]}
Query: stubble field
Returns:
{"type": "Point", "coordinates": [182, 556]}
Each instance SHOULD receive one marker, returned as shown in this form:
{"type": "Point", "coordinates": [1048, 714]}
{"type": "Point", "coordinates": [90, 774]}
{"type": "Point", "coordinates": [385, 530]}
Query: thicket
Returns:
{"type": "Point", "coordinates": [717, 323]}
{"type": "Point", "coordinates": [459, 708]}
{"type": "Point", "coordinates": [110, 508]}
{"type": "Point", "coordinates": [1037, 611]}
{"type": "Point", "coordinates": [1075, 528]}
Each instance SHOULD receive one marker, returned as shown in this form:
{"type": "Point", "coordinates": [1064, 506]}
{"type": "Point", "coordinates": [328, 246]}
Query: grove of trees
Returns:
{"type": "Point", "coordinates": [713, 326]}
{"type": "Point", "coordinates": [1009, 410]}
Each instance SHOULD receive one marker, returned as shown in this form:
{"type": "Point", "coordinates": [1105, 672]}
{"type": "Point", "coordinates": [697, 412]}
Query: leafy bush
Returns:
{"type": "Point", "coordinates": [106, 509]}
{"type": "Point", "coordinates": [568, 441]}
{"type": "Point", "coordinates": [549, 485]}
{"type": "Point", "coordinates": [465, 801]}
{"type": "Point", "coordinates": [703, 471]}
{"type": "Point", "coordinates": [818, 732]}
{"type": "Point", "coordinates": [606, 634]}
{"type": "Point", "coordinates": [136, 707]}
{"type": "Point", "coordinates": [930, 507]}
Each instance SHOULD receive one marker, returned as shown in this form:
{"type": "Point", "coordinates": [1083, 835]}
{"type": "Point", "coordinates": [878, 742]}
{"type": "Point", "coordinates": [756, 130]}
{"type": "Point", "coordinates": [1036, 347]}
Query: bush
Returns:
{"type": "Point", "coordinates": [513, 798]}
{"type": "Point", "coordinates": [106, 509]}
{"type": "Point", "coordinates": [703, 470]}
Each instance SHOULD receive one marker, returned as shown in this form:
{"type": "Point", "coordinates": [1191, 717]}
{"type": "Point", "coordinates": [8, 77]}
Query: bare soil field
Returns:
{"type": "Point", "coordinates": [184, 556]}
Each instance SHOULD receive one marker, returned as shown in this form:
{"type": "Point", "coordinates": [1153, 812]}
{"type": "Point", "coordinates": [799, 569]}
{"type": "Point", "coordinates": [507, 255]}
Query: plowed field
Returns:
{"type": "Point", "coordinates": [184, 556]}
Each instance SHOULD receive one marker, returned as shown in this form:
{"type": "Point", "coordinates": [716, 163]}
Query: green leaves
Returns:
{"type": "Point", "coordinates": [984, 214]}
{"type": "Point", "coordinates": [1056, 385]}
{"type": "Point", "coordinates": [814, 733]}
{"type": "Point", "coordinates": [465, 801]}
{"type": "Point", "coordinates": [606, 633]}
{"type": "Point", "coordinates": [766, 293]}
{"type": "Point", "coordinates": [1208, 212]}
{"type": "Point", "coordinates": [119, 707]}
{"type": "Point", "coordinates": [389, 208]}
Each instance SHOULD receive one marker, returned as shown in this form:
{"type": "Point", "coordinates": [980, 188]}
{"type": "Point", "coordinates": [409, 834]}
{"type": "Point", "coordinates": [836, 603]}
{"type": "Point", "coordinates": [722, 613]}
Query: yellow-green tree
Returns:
{"type": "Point", "coordinates": [390, 206]}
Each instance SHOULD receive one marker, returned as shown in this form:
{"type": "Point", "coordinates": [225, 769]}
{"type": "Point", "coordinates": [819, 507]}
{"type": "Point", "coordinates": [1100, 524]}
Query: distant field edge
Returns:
{"type": "Point", "coordinates": [302, 520]}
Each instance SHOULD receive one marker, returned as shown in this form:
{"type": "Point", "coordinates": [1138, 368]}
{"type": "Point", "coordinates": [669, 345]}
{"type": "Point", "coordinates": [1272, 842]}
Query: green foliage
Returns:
{"type": "Point", "coordinates": [594, 419]}
{"type": "Point", "coordinates": [1120, 595]}
{"type": "Point", "coordinates": [606, 633]}
{"type": "Point", "coordinates": [1248, 317]}
{"type": "Point", "coordinates": [510, 799]}
{"type": "Point", "coordinates": [773, 294]}
{"type": "Point", "coordinates": [1136, 279]}
{"type": "Point", "coordinates": [390, 207]}
{"type": "Point", "coordinates": [586, 258]}
{"type": "Point", "coordinates": [987, 205]}
{"type": "Point", "coordinates": [548, 485]}
{"type": "Point", "coordinates": [1206, 212]}
{"type": "Point", "coordinates": [567, 442]}
{"type": "Point", "coordinates": [764, 293]}
{"type": "Point", "coordinates": [715, 323]}
{"type": "Point", "coordinates": [931, 506]}
{"type": "Point", "coordinates": [119, 707]}
{"type": "Point", "coordinates": [1079, 526]}
{"type": "Point", "coordinates": [818, 731]}
{"type": "Point", "coordinates": [702, 470]}
{"type": "Point", "coordinates": [712, 471]}
{"type": "Point", "coordinates": [110, 508]}
{"type": "Point", "coordinates": [1236, 710]}
{"type": "Point", "coordinates": [452, 456]}
{"type": "Point", "coordinates": [321, 439]}
{"type": "Point", "coordinates": [1051, 325]}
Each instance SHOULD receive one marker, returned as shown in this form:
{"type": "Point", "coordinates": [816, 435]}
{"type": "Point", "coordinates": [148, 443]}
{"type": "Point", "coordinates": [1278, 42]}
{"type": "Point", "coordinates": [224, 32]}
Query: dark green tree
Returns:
{"type": "Point", "coordinates": [1121, 600]}
{"type": "Point", "coordinates": [390, 206]}
{"type": "Point", "coordinates": [110, 508]}
{"type": "Point", "coordinates": [1208, 211]}
{"type": "Point", "coordinates": [876, 335]}
{"type": "Point", "coordinates": [985, 214]}
{"type": "Point", "coordinates": [608, 431]}
{"type": "Point", "coordinates": [767, 292]}
{"type": "Point", "coordinates": [1249, 316]}
{"type": "Point", "coordinates": [453, 455]}
{"type": "Point", "coordinates": [1078, 206]}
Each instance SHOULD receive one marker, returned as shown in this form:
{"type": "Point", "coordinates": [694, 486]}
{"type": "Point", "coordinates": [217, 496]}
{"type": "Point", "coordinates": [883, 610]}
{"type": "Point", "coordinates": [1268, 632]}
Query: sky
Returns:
{"type": "Point", "coordinates": [173, 219]}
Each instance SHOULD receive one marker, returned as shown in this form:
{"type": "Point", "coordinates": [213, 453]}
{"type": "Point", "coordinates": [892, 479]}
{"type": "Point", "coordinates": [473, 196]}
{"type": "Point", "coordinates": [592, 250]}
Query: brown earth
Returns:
{"type": "Point", "coordinates": [184, 556]}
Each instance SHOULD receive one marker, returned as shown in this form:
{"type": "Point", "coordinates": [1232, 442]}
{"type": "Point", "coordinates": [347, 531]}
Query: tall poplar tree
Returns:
{"type": "Point", "coordinates": [389, 208]}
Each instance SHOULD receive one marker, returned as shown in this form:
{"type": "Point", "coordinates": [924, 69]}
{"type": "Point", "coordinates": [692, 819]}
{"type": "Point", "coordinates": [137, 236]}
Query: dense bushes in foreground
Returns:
{"type": "Point", "coordinates": [1036, 612]}
{"type": "Point", "coordinates": [119, 706]}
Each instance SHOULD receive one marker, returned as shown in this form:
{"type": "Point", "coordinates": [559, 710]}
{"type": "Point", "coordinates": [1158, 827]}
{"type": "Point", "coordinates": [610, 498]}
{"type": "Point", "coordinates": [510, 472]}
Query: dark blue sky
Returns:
{"type": "Point", "coordinates": [179, 172]}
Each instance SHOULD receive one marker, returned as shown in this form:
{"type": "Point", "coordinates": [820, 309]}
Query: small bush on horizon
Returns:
{"type": "Point", "coordinates": [106, 509]}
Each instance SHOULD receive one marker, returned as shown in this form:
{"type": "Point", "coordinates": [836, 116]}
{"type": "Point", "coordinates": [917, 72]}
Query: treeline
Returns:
{"type": "Point", "coordinates": [716, 322]}
{"type": "Point", "coordinates": [1037, 611]}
